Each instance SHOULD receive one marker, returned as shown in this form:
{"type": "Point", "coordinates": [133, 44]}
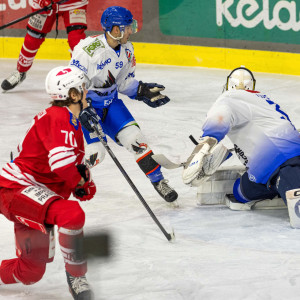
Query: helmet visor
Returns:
{"type": "Point", "coordinates": [133, 26]}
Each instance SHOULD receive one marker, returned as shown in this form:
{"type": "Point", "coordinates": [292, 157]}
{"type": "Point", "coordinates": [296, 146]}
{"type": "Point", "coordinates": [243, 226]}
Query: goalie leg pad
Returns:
{"type": "Point", "coordinates": [293, 203]}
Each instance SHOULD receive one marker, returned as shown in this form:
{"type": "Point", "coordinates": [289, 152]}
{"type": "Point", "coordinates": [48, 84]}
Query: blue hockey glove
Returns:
{"type": "Point", "coordinates": [150, 94]}
{"type": "Point", "coordinates": [89, 117]}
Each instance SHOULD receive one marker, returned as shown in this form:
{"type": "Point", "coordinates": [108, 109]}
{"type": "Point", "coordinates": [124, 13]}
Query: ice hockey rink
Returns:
{"type": "Point", "coordinates": [218, 253]}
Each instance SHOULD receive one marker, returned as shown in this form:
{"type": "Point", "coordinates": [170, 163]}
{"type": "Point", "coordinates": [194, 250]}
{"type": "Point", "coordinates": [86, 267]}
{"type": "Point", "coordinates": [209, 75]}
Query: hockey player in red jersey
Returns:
{"type": "Point", "coordinates": [35, 187]}
{"type": "Point", "coordinates": [73, 13]}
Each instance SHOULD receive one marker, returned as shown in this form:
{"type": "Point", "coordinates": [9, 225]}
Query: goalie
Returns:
{"type": "Point", "coordinates": [265, 141]}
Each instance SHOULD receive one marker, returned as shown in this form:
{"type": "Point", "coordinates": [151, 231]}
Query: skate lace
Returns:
{"type": "Point", "coordinates": [79, 284]}
{"type": "Point", "coordinates": [164, 188]}
{"type": "Point", "coordinates": [14, 78]}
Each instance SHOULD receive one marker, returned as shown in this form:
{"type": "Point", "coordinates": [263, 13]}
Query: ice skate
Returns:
{"type": "Point", "coordinates": [165, 191]}
{"type": "Point", "coordinates": [79, 287]}
{"type": "Point", "coordinates": [13, 80]}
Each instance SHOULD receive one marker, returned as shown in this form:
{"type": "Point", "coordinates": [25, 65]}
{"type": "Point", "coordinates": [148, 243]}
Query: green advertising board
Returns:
{"type": "Point", "coordinates": [276, 21]}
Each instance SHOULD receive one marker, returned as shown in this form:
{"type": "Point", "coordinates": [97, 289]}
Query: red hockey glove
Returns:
{"type": "Point", "coordinates": [44, 3]}
{"type": "Point", "coordinates": [88, 190]}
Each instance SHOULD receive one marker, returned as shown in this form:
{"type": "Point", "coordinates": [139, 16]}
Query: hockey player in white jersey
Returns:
{"type": "Point", "coordinates": [108, 61]}
{"type": "Point", "coordinates": [265, 141]}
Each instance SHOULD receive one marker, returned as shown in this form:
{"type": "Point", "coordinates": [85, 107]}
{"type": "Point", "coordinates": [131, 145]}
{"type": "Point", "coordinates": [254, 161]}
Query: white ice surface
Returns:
{"type": "Point", "coordinates": [218, 253]}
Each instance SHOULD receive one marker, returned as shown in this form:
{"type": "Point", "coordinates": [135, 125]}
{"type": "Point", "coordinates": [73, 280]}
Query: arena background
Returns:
{"type": "Point", "coordinates": [260, 34]}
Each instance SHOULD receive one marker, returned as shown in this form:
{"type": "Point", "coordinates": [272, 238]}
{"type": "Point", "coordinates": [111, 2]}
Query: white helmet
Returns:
{"type": "Point", "coordinates": [60, 79]}
{"type": "Point", "coordinates": [240, 79]}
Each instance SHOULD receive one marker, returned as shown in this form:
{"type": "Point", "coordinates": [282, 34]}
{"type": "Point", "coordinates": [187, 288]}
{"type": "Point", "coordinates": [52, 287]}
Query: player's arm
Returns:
{"type": "Point", "coordinates": [149, 93]}
{"type": "Point", "coordinates": [84, 62]}
{"type": "Point", "coordinates": [209, 154]}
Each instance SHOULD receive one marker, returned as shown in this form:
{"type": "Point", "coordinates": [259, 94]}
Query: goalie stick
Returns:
{"type": "Point", "coordinates": [168, 164]}
{"type": "Point", "coordinates": [170, 236]}
{"type": "Point", "coordinates": [44, 9]}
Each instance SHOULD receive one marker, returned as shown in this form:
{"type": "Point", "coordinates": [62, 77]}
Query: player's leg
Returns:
{"type": "Point", "coordinates": [133, 140]}
{"type": "Point", "coordinates": [37, 28]}
{"type": "Point", "coordinates": [248, 194]}
{"type": "Point", "coordinates": [70, 218]}
{"type": "Point", "coordinates": [288, 186]}
{"type": "Point", "coordinates": [75, 23]}
{"type": "Point", "coordinates": [120, 125]}
{"type": "Point", "coordinates": [26, 207]}
{"type": "Point", "coordinates": [32, 248]}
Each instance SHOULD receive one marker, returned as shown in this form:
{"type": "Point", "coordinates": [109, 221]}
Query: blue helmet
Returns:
{"type": "Point", "coordinates": [116, 16]}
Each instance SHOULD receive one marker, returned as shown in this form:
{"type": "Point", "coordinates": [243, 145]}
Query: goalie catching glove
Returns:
{"type": "Point", "coordinates": [88, 189]}
{"type": "Point", "coordinates": [150, 94]}
{"type": "Point", "coordinates": [204, 161]}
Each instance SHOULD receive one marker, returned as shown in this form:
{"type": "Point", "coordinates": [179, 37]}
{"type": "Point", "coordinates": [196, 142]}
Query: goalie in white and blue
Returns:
{"type": "Point", "coordinates": [264, 138]}
{"type": "Point", "coordinates": [108, 61]}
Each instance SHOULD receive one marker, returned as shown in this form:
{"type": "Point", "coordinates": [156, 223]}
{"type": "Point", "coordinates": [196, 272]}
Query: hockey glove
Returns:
{"type": "Point", "coordinates": [89, 118]}
{"type": "Point", "coordinates": [150, 94]}
{"type": "Point", "coordinates": [44, 3]}
{"type": "Point", "coordinates": [204, 161]}
{"type": "Point", "coordinates": [85, 192]}
{"type": "Point", "coordinates": [88, 189]}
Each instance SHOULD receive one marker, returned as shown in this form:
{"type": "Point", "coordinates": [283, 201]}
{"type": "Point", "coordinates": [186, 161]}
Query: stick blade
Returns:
{"type": "Point", "coordinates": [165, 162]}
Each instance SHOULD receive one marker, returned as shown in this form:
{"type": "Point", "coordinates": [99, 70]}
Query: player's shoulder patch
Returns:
{"type": "Point", "coordinates": [41, 114]}
{"type": "Point", "coordinates": [93, 46]}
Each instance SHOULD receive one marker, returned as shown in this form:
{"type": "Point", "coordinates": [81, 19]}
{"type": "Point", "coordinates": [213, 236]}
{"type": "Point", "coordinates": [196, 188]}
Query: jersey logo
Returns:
{"type": "Point", "coordinates": [128, 54]}
{"type": "Point", "coordinates": [78, 65]}
{"type": "Point", "coordinates": [41, 114]}
{"type": "Point", "coordinates": [74, 121]}
{"type": "Point", "coordinates": [103, 64]}
{"type": "Point", "coordinates": [92, 47]}
{"type": "Point", "coordinates": [110, 80]}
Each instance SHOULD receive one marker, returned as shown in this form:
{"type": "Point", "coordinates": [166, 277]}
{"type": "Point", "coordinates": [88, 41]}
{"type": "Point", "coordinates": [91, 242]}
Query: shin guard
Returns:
{"type": "Point", "coordinates": [293, 204]}
{"type": "Point", "coordinates": [29, 49]}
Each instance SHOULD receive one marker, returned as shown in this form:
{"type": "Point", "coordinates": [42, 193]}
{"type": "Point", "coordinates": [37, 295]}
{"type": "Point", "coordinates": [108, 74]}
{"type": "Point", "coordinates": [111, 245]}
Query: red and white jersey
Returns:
{"type": "Point", "coordinates": [69, 5]}
{"type": "Point", "coordinates": [49, 153]}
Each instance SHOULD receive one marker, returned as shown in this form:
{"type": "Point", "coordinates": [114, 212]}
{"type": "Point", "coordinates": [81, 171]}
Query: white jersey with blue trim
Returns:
{"type": "Point", "coordinates": [262, 133]}
{"type": "Point", "coordinates": [110, 71]}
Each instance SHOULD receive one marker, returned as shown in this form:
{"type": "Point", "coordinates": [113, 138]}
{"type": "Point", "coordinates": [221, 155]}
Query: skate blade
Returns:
{"type": "Point", "coordinates": [173, 204]}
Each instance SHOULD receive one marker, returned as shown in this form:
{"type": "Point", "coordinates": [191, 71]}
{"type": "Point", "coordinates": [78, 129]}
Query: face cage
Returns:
{"type": "Point", "coordinates": [225, 88]}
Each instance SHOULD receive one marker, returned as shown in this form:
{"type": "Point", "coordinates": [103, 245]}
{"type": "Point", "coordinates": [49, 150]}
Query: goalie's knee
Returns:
{"type": "Point", "coordinates": [293, 204]}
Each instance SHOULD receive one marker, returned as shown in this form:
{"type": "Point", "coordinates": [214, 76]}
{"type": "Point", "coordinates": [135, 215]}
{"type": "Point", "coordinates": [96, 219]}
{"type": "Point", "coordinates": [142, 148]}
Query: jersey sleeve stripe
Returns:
{"type": "Point", "coordinates": [63, 163]}
{"type": "Point", "coordinates": [12, 172]}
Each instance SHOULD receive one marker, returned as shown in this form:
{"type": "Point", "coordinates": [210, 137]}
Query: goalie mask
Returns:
{"type": "Point", "coordinates": [60, 79]}
{"type": "Point", "coordinates": [240, 79]}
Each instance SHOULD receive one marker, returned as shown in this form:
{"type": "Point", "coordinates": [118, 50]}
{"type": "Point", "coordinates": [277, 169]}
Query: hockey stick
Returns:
{"type": "Point", "coordinates": [46, 8]}
{"type": "Point", "coordinates": [170, 236]}
{"type": "Point", "coordinates": [168, 164]}
{"type": "Point", "coordinates": [162, 160]}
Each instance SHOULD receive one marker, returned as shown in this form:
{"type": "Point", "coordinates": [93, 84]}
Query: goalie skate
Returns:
{"type": "Point", "coordinates": [13, 80]}
{"type": "Point", "coordinates": [165, 191]}
{"type": "Point", "coordinates": [79, 287]}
